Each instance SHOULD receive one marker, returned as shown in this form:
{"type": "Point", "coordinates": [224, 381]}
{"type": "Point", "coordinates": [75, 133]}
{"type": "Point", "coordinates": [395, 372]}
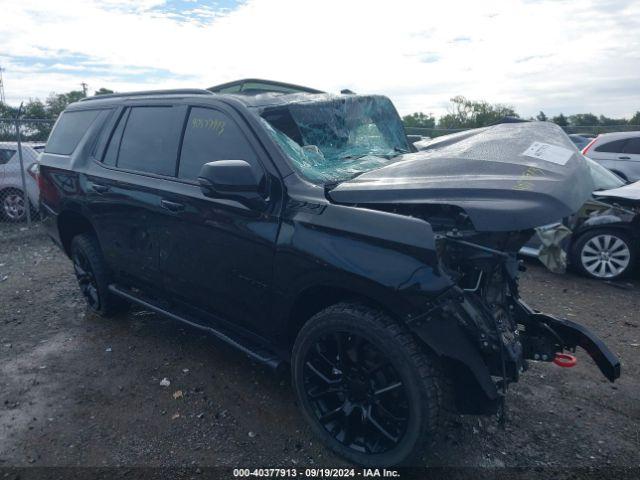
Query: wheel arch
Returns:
{"type": "Point", "coordinates": [470, 385]}
{"type": "Point", "coordinates": [71, 223]}
{"type": "Point", "coordinates": [315, 298]}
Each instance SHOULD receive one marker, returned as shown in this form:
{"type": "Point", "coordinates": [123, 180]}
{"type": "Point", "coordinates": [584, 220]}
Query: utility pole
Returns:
{"type": "Point", "coordinates": [1, 86]}
{"type": "Point", "coordinates": [84, 88]}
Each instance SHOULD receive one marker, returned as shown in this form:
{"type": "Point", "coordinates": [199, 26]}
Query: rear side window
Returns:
{"type": "Point", "coordinates": [150, 140]}
{"type": "Point", "coordinates": [632, 146]}
{"type": "Point", "coordinates": [212, 135]}
{"type": "Point", "coordinates": [611, 147]}
{"type": "Point", "coordinates": [69, 130]}
{"type": "Point", "coordinates": [6, 154]}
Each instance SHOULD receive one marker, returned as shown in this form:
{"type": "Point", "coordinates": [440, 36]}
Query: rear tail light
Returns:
{"type": "Point", "coordinates": [588, 147]}
{"type": "Point", "coordinates": [33, 170]}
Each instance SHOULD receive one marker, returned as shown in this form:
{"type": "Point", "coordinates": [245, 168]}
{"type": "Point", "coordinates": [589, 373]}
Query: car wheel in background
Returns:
{"type": "Point", "coordinates": [604, 254]}
{"type": "Point", "coordinates": [13, 205]}
{"type": "Point", "coordinates": [365, 386]}
{"type": "Point", "coordinates": [93, 278]}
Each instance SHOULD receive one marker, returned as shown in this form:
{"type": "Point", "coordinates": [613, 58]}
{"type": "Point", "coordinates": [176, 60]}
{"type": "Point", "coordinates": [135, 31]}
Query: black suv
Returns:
{"type": "Point", "coordinates": [305, 230]}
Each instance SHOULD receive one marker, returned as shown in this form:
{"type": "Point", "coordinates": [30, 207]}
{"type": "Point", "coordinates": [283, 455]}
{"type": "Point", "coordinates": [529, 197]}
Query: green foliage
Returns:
{"type": "Point", "coordinates": [103, 91]}
{"type": "Point", "coordinates": [419, 120]}
{"type": "Point", "coordinates": [635, 120]}
{"type": "Point", "coordinates": [472, 114]}
{"type": "Point", "coordinates": [560, 120]}
{"type": "Point", "coordinates": [541, 117]}
{"type": "Point", "coordinates": [614, 121]}
{"type": "Point", "coordinates": [583, 119]}
{"type": "Point", "coordinates": [56, 103]}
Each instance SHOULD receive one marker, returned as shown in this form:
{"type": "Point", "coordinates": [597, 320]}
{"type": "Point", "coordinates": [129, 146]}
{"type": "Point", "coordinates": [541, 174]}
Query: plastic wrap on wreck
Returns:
{"type": "Point", "coordinates": [333, 138]}
{"type": "Point", "coordinates": [505, 177]}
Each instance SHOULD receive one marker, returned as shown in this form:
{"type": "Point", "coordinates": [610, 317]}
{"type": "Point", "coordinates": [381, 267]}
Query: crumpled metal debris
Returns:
{"type": "Point", "coordinates": [551, 253]}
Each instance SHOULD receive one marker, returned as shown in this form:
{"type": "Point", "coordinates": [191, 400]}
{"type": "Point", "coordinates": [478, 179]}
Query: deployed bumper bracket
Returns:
{"type": "Point", "coordinates": [567, 335]}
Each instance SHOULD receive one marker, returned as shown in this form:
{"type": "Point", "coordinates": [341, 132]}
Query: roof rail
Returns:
{"type": "Point", "coordinates": [177, 91]}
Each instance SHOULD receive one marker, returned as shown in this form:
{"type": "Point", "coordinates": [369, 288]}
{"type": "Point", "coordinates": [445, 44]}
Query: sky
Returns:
{"type": "Point", "coordinates": [570, 56]}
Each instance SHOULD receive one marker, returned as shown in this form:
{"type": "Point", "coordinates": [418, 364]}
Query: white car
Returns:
{"type": "Point", "coordinates": [619, 152]}
{"type": "Point", "coordinates": [12, 205]}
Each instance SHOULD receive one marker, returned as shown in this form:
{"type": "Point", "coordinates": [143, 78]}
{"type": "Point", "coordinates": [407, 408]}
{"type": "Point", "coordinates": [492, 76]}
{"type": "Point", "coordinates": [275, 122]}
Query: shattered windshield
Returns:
{"type": "Point", "coordinates": [333, 140]}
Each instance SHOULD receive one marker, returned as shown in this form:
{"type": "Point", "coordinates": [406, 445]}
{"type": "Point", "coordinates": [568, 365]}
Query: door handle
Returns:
{"type": "Point", "coordinates": [171, 206]}
{"type": "Point", "coordinates": [100, 188]}
{"type": "Point", "coordinates": [624, 158]}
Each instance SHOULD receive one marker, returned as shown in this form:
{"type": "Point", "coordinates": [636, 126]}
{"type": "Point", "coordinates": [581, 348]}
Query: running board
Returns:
{"type": "Point", "coordinates": [252, 350]}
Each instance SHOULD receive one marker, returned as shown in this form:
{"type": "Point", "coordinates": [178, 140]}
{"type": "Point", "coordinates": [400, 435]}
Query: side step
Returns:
{"type": "Point", "coordinates": [251, 349]}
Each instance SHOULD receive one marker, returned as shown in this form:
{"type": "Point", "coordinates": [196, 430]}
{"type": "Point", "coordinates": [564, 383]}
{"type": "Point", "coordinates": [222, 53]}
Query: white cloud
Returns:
{"type": "Point", "coordinates": [570, 56]}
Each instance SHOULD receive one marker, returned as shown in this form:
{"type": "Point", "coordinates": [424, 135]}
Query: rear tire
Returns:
{"type": "Point", "coordinates": [604, 254]}
{"type": "Point", "coordinates": [93, 276]}
{"type": "Point", "coordinates": [372, 415]}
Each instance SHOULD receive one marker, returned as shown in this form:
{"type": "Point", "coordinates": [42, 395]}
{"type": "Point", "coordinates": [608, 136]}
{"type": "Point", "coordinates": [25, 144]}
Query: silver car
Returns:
{"type": "Point", "coordinates": [619, 152]}
{"type": "Point", "coordinates": [12, 204]}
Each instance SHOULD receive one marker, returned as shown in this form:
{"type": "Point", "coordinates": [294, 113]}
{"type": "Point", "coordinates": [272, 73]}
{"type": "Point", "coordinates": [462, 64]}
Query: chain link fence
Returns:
{"type": "Point", "coordinates": [21, 140]}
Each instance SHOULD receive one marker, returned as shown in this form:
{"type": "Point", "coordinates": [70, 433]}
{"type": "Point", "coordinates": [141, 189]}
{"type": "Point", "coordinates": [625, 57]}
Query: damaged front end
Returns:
{"type": "Point", "coordinates": [485, 328]}
{"type": "Point", "coordinates": [455, 214]}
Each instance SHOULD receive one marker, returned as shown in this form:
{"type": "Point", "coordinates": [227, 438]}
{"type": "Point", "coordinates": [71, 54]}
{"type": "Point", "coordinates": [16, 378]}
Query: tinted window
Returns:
{"type": "Point", "coordinates": [612, 147]}
{"type": "Point", "coordinates": [150, 141]}
{"type": "Point", "coordinates": [114, 144]}
{"type": "Point", "coordinates": [69, 130]}
{"type": "Point", "coordinates": [5, 155]}
{"type": "Point", "coordinates": [632, 146]}
{"type": "Point", "coordinates": [211, 135]}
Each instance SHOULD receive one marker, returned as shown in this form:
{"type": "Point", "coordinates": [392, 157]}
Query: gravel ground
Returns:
{"type": "Point", "coordinates": [76, 390]}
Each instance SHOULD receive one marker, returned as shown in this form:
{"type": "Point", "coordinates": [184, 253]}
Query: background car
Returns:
{"type": "Point", "coordinates": [581, 140]}
{"type": "Point", "coordinates": [12, 205]}
{"type": "Point", "coordinates": [619, 152]}
{"type": "Point", "coordinates": [605, 238]}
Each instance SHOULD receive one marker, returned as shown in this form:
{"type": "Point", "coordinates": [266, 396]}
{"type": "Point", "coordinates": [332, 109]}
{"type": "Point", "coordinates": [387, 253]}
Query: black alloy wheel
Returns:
{"type": "Point", "coordinates": [366, 386]}
{"type": "Point", "coordinates": [356, 393]}
{"type": "Point", "coordinates": [86, 279]}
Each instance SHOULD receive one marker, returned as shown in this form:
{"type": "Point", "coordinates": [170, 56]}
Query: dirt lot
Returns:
{"type": "Point", "coordinates": [76, 390]}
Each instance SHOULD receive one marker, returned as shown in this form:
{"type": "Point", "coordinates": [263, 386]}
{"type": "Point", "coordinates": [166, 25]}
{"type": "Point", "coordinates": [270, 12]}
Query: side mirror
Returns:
{"type": "Point", "coordinates": [234, 179]}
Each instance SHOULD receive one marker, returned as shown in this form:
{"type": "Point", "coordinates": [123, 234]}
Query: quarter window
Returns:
{"type": "Point", "coordinates": [5, 155]}
{"type": "Point", "coordinates": [69, 130]}
{"type": "Point", "coordinates": [211, 135]}
{"type": "Point", "coordinates": [150, 140]}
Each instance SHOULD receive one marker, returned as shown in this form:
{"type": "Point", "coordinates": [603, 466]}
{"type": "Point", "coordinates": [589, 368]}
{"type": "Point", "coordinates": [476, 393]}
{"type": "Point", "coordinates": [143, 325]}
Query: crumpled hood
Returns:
{"type": "Point", "coordinates": [627, 192]}
{"type": "Point", "coordinates": [506, 177]}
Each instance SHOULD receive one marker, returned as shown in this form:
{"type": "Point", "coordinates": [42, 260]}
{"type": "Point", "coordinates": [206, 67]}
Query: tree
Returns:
{"type": "Point", "coordinates": [466, 113]}
{"type": "Point", "coordinates": [56, 103]}
{"type": "Point", "coordinates": [103, 91]}
{"type": "Point", "coordinates": [541, 117]}
{"type": "Point", "coordinates": [560, 120]}
{"type": "Point", "coordinates": [419, 120]}
{"type": "Point", "coordinates": [583, 119]}
{"type": "Point", "coordinates": [603, 120]}
{"type": "Point", "coordinates": [635, 120]}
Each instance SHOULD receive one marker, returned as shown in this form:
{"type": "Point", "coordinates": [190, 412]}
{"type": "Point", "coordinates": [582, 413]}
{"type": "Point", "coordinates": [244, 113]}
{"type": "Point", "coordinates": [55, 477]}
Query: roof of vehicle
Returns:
{"type": "Point", "coordinates": [258, 100]}
{"type": "Point", "coordinates": [256, 86]}
{"type": "Point", "coordinates": [617, 135]}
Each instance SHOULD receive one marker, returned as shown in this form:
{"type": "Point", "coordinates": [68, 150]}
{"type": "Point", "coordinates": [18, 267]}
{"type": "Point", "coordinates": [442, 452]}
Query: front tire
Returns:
{"type": "Point", "coordinates": [604, 254]}
{"type": "Point", "coordinates": [365, 386]}
{"type": "Point", "coordinates": [93, 277]}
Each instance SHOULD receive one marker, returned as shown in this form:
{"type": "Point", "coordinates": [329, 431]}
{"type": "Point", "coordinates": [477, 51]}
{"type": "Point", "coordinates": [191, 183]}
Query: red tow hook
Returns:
{"type": "Point", "coordinates": [565, 360]}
